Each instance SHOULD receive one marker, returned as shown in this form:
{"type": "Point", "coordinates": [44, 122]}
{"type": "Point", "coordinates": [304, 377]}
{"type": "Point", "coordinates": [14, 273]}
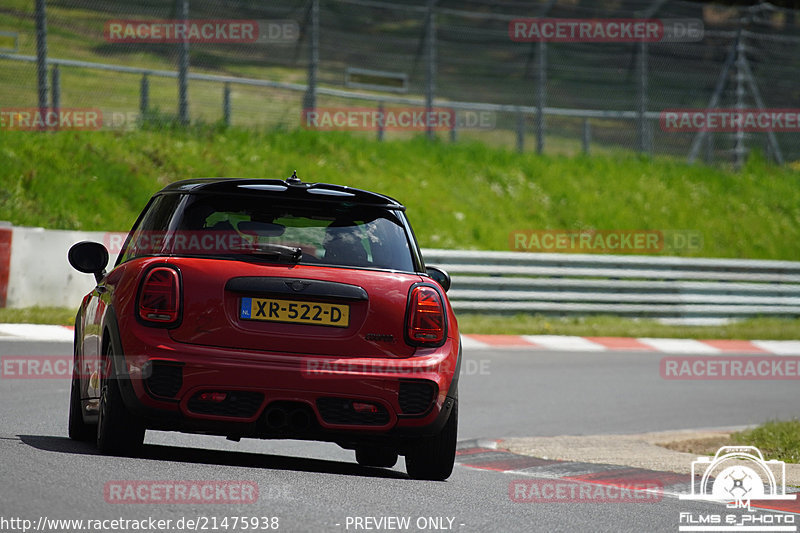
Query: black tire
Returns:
{"type": "Point", "coordinates": [432, 458]}
{"type": "Point", "coordinates": [118, 431]}
{"type": "Point", "coordinates": [78, 429]}
{"type": "Point", "coordinates": [376, 456]}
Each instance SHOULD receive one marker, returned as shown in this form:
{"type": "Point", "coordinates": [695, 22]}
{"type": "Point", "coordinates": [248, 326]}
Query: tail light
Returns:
{"type": "Point", "coordinates": [159, 296]}
{"type": "Point", "coordinates": [426, 321]}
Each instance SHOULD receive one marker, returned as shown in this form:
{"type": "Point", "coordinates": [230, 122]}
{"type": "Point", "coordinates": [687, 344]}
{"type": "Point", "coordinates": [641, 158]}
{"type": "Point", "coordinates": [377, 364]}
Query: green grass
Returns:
{"type": "Point", "coordinates": [776, 439]}
{"type": "Point", "coordinates": [464, 195]}
{"type": "Point", "coordinates": [64, 316]}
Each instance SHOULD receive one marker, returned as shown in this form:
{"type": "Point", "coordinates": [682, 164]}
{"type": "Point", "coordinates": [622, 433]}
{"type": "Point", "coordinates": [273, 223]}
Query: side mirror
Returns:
{"type": "Point", "coordinates": [440, 276]}
{"type": "Point", "coordinates": [90, 258]}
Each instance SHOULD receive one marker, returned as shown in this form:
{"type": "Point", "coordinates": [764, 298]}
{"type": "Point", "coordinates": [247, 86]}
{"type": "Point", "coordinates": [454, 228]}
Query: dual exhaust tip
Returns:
{"type": "Point", "coordinates": [288, 419]}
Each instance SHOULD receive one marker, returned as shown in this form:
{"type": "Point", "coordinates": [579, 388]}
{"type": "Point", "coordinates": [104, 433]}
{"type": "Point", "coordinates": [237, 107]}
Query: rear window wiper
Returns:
{"type": "Point", "coordinates": [271, 250]}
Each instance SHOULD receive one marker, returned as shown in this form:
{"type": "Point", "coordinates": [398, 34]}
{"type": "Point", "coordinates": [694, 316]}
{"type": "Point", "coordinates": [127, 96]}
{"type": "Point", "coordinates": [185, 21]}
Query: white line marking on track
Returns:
{"type": "Point", "coordinates": [565, 342]}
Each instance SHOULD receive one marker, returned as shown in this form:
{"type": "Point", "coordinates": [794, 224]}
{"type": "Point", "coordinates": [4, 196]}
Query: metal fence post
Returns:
{"type": "Point", "coordinates": [183, 68]}
{"type": "Point", "coordinates": [709, 155]}
{"type": "Point", "coordinates": [694, 149]}
{"type": "Point", "coordinates": [55, 82]}
{"type": "Point", "coordinates": [381, 116]}
{"type": "Point", "coordinates": [430, 71]}
{"type": "Point", "coordinates": [144, 96]}
{"type": "Point", "coordinates": [454, 126]}
{"type": "Point", "coordinates": [310, 97]}
{"type": "Point", "coordinates": [226, 104]}
{"type": "Point", "coordinates": [644, 144]}
{"type": "Point", "coordinates": [41, 53]}
{"type": "Point", "coordinates": [587, 136]}
{"type": "Point", "coordinates": [740, 150]}
{"type": "Point", "coordinates": [541, 94]}
{"type": "Point", "coordinates": [774, 148]}
{"type": "Point", "coordinates": [520, 132]}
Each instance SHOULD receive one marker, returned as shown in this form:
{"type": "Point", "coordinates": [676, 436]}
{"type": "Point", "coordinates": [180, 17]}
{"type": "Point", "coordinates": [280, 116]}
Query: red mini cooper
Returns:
{"type": "Point", "coordinates": [267, 309]}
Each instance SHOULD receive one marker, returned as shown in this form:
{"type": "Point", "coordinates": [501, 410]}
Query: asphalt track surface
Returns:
{"type": "Point", "coordinates": [319, 487]}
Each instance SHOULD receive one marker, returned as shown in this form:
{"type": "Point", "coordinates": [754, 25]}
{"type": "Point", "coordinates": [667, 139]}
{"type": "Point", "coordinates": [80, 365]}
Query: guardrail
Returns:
{"type": "Point", "coordinates": [640, 286]}
{"type": "Point", "coordinates": [347, 94]}
{"type": "Point", "coordinates": [521, 111]}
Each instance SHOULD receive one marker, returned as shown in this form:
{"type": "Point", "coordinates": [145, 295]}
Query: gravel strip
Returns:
{"type": "Point", "coordinates": [638, 450]}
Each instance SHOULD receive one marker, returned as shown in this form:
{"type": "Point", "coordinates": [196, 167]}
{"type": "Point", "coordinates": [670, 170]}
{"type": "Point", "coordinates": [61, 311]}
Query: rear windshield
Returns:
{"type": "Point", "coordinates": [260, 228]}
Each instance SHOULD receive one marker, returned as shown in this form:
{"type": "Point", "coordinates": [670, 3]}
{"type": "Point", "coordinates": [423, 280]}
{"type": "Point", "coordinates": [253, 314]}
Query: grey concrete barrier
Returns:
{"type": "Point", "coordinates": [38, 273]}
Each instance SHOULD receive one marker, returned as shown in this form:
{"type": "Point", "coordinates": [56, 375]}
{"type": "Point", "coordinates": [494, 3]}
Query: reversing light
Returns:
{"type": "Point", "coordinates": [426, 321]}
{"type": "Point", "coordinates": [159, 296]}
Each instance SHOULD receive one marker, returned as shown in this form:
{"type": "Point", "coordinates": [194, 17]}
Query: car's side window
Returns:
{"type": "Point", "coordinates": [148, 236]}
{"type": "Point", "coordinates": [387, 245]}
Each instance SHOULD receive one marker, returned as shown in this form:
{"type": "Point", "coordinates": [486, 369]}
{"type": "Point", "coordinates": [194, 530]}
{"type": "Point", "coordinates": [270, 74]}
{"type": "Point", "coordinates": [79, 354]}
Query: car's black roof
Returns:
{"type": "Point", "coordinates": [291, 188]}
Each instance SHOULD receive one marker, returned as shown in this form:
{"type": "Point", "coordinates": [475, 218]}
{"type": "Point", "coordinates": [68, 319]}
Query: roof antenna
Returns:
{"type": "Point", "coordinates": [293, 178]}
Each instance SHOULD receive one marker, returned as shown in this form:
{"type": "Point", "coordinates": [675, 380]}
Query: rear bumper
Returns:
{"type": "Point", "coordinates": [274, 395]}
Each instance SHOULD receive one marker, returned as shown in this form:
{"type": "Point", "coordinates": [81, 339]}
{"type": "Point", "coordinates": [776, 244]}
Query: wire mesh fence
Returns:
{"type": "Point", "coordinates": [369, 65]}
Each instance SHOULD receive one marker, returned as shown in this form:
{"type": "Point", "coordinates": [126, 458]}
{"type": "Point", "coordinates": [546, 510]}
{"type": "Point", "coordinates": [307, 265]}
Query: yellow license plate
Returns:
{"type": "Point", "coordinates": [294, 311]}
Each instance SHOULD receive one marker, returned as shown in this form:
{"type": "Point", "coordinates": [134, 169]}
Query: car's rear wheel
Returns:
{"type": "Point", "coordinates": [78, 429]}
{"type": "Point", "coordinates": [376, 456]}
{"type": "Point", "coordinates": [118, 431]}
{"type": "Point", "coordinates": [432, 458]}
